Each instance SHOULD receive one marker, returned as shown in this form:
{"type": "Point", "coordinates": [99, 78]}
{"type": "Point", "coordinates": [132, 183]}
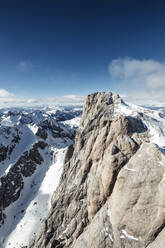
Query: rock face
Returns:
{"type": "Point", "coordinates": [111, 193]}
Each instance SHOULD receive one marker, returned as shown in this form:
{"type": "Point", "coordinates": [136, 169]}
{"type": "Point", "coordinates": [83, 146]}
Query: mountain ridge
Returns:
{"type": "Point", "coordinates": [113, 163]}
{"type": "Point", "coordinates": [108, 184]}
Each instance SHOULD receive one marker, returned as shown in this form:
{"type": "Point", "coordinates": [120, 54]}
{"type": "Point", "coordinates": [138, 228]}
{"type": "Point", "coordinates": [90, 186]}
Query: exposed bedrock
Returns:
{"type": "Point", "coordinates": [111, 193]}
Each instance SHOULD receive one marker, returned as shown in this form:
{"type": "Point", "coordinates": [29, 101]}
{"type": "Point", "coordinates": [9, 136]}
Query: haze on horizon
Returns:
{"type": "Point", "coordinates": [60, 51]}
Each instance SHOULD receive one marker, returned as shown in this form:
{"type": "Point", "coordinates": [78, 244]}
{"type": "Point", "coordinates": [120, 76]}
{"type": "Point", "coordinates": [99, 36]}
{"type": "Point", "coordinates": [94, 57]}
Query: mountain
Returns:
{"type": "Point", "coordinates": [106, 182]}
{"type": "Point", "coordinates": [111, 191]}
{"type": "Point", "coordinates": [32, 148]}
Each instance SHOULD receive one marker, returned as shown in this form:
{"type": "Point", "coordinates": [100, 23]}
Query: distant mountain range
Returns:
{"type": "Point", "coordinates": [32, 146]}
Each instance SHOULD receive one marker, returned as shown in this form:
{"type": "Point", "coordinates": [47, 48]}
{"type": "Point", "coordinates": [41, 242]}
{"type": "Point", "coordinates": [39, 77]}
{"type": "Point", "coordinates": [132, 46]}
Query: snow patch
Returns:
{"type": "Point", "coordinates": [10, 121]}
{"type": "Point", "coordinates": [154, 120]}
{"type": "Point", "coordinates": [109, 213]}
{"type": "Point", "coordinates": [33, 128]}
{"type": "Point", "coordinates": [73, 123]}
{"type": "Point", "coordinates": [128, 235]}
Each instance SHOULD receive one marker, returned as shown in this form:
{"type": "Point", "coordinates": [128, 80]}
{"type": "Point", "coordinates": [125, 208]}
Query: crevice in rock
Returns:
{"type": "Point", "coordinates": [158, 231]}
{"type": "Point", "coordinates": [86, 171]}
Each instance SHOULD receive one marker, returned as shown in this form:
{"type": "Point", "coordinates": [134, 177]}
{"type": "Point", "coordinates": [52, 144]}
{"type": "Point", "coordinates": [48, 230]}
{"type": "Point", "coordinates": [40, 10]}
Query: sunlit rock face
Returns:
{"type": "Point", "coordinates": [111, 192]}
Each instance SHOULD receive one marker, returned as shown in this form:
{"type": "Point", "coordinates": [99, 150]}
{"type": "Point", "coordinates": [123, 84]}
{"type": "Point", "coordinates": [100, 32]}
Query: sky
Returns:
{"type": "Point", "coordinates": [66, 49]}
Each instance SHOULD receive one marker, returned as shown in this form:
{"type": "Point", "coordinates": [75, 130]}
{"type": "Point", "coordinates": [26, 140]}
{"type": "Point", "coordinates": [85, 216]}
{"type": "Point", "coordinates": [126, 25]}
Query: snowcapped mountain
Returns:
{"type": "Point", "coordinates": [111, 191]}
{"type": "Point", "coordinates": [153, 119]}
{"type": "Point", "coordinates": [32, 148]}
{"type": "Point", "coordinates": [33, 144]}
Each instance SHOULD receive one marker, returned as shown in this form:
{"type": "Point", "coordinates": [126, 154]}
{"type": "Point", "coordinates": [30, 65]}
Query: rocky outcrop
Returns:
{"type": "Point", "coordinates": [12, 183]}
{"type": "Point", "coordinates": [3, 152]}
{"type": "Point", "coordinates": [111, 193]}
{"type": "Point", "coordinates": [7, 133]}
{"type": "Point", "coordinates": [134, 214]}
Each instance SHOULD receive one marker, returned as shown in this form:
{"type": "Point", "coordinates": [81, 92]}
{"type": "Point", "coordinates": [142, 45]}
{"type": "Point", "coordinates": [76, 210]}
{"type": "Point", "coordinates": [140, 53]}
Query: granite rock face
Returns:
{"type": "Point", "coordinates": [111, 193]}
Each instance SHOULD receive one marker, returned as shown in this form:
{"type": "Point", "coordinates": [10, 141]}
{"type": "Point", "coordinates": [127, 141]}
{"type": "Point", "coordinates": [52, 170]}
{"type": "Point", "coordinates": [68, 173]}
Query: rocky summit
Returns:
{"type": "Point", "coordinates": [111, 192]}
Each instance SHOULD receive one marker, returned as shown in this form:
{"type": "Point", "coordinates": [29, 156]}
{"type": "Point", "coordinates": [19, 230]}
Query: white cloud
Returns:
{"type": "Point", "coordinates": [128, 68]}
{"type": "Point", "coordinates": [156, 81]}
{"type": "Point", "coordinates": [64, 100]}
{"type": "Point", "coordinates": [25, 66]}
{"type": "Point", "coordinates": [5, 94]}
{"type": "Point", "coordinates": [8, 100]}
{"type": "Point", "coordinates": [32, 101]}
{"type": "Point", "coordinates": [144, 80]}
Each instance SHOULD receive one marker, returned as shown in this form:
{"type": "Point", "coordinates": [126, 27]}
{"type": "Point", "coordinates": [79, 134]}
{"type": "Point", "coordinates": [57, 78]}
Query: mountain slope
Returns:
{"type": "Point", "coordinates": [32, 150]}
{"type": "Point", "coordinates": [112, 186]}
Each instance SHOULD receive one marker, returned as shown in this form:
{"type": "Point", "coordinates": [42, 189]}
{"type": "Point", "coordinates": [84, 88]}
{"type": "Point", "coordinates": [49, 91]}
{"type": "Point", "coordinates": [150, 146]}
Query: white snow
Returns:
{"type": "Point", "coordinates": [110, 236]}
{"type": "Point", "coordinates": [27, 139]}
{"type": "Point", "coordinates": [157, 134]}
{"type": "Point", "coordinates": [38, 207]}
{"type": "Point", "coordinates": [10, 121]}
{"type": "Point", "coordinates": [25, 215]}
{"type": "Point", "coordinates": [128, 235]}
{"type": "Point", "coordinates": [8, 168]}
{"type": "Point", "coordinates": [33, 128]}
{"type": "Point", "coordinates": [109, 213]}
{"type": "Point", "coordinates": [73, 122]}
{"type": "Point", "coordinates": [108, 233]}
{"type": "Point", "coordinates": [151, 118]}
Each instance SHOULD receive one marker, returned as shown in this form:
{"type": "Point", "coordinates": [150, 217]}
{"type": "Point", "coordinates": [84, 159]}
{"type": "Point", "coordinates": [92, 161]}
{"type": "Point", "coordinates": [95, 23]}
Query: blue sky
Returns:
{"type": "Point", "coordinates": [56, 48]}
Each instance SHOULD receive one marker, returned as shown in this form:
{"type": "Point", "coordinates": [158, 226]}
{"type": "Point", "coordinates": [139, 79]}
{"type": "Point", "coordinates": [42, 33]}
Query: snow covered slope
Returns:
{"type": "Point", "coordinates": [30, 210]}
{"type": "Point", "coordinates": [154, 120]}
{"type": "Point", "coordinates": [32, 148]}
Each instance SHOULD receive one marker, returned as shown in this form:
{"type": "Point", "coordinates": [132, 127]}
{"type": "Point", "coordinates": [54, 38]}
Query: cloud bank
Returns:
{"type": "Point", "coordinates": [9, 100]}
{"type": "Point", "coordinates": [143, 80]}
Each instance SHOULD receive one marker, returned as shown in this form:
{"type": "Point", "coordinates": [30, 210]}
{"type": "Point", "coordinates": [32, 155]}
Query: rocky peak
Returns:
{"type": "Point", "coordinates": [104, 198]}
{"type": "Point", "coordinates": [98, 104]}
